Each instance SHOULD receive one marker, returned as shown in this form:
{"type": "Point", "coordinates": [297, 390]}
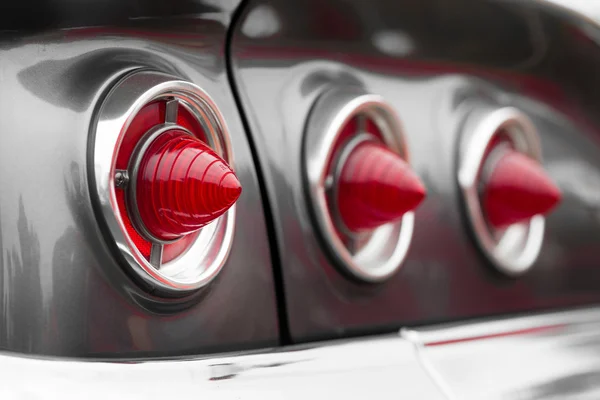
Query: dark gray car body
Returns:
{"type": "Point", "coordinates": [66, 293]}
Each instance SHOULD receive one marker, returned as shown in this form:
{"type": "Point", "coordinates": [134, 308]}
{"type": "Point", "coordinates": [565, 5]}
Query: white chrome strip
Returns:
{"type": "Point", "coordinates": [549, 356]}
{"type": "Point", "coordinates": [382, 368]}
{"type": "Point", "coordinates": [502, 326]}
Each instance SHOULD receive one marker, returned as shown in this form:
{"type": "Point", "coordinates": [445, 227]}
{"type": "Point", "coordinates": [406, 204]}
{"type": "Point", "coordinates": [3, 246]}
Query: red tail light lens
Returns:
{"type": "Point", "coordinates": [182, 185]}
{"type": "Point", "coordinates": [516, 190]}
{"type": "Point", "coordinates": [376, 187]}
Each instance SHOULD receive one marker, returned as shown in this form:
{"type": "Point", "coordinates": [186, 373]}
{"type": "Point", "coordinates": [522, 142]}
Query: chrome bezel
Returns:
{"type": "Point", "coordinates": [386, 247]}
{"type": "Point", "coordinates": [205, 258]}
{"type": "Point", "coordinates": [514, 250]}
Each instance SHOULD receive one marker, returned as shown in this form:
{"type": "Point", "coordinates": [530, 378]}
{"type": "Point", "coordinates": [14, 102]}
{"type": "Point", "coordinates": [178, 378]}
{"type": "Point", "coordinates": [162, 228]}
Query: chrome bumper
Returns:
{"type": "Point", "coordinates": [546, 356]}
{"type": "Point", "coordinates": [383, 367]}
{"type": "Point", "coordinates": [553, 355]}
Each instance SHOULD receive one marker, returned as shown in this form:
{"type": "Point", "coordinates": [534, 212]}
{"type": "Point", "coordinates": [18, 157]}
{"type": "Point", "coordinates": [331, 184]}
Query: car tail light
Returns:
{"type": "Point", "coordinates": [376, 187]}
{"type": "Point", "coordinates": [164, 180]}
{"type": "Point", "coordinates": [182, 185]}
{"type": "Point", "coordinates": [361, 189]}
{"type": "Point", "coordinates": [506, 191]}
{"type": "Point", "coordinates": [517, 189]}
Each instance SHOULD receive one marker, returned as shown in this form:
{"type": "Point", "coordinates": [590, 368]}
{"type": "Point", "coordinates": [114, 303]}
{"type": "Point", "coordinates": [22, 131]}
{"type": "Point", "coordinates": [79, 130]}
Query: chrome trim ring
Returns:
{"type": "Point", "coordinates": [514, 250]}
{"type": "Point", "coordinates": [385, 248]}
{"type": "Point", "coordinates": [205, 257]}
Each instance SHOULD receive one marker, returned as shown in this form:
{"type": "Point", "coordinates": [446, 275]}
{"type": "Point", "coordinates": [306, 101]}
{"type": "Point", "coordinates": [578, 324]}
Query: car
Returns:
{"type": "Point", "coordinates": [292, 199]}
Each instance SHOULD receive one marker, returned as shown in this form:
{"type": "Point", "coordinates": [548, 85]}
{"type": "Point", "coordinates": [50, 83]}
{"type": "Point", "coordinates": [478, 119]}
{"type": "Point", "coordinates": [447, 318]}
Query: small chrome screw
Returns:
{"type": "Point", "coordinates": [121, 179]}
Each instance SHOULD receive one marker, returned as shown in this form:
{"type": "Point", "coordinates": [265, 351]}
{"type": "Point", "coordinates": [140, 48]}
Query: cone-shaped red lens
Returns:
{"type": "Point", "coordinates": [182, 185]}
{"type": "Point", "coordinates": [516, 190]}
{"type": "Point", "coordinates": [376, 187]}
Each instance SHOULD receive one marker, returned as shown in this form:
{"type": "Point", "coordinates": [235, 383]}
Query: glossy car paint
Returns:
{"type": "Point", "coordinates": [434, 62]}
{"type": "Point", "coordinates": [63, 288]}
